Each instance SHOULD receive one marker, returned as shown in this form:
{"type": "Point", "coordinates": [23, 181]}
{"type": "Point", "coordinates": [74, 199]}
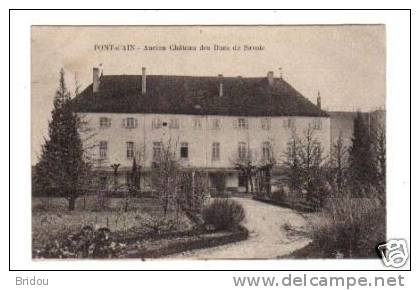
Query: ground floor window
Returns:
{"type": "Point", "coordinates": [157, 150]}
{"type": "Point", "coordinates": [103, 182]}
{"type": "Point", "coordinates": [184, 150]}
{"type": "Point", "coordinates": [103, 149]}
{"type": "Point", "coordinates": [130, 150]}
{"type": "Point", "coordinates": [241, 180]}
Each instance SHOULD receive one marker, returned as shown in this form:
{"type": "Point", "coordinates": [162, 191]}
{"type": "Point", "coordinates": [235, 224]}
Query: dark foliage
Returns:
{"type": "Point", "coordinates": [363, 170]}
{"type": "Point", "coordinates": [87, 243]}
{"type": "Point", "coordinates": [61, 168]}
{"type": "Point", "coordinates": [223, 214]}
{"type": "Point", "coordinates": [352, 238]}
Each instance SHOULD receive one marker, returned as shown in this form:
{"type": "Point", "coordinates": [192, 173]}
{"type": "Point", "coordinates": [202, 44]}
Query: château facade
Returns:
{"type": "Point", "coordinates": [208, 121]}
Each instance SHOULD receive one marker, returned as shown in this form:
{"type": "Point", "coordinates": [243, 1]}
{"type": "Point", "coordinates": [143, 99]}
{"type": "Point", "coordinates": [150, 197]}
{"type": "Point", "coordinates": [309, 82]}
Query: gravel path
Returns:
{"type": "Point", "coordinates": [268, 236]}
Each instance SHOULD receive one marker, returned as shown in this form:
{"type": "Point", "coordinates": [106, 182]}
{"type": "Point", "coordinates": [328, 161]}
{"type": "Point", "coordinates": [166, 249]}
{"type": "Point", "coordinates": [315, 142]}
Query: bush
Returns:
{"type": "Point", "coordinates": [279, 196]}
{"type": "Point", "coordinates": [351, 227]}
{"type": "Point", "coordinates": [223, 214]}
{"type": "Point", "coordinates": [158, 224]}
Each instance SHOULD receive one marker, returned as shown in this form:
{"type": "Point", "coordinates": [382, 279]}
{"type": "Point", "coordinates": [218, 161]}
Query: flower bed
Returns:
{"type": "Point", "coordinates": [102, 243]}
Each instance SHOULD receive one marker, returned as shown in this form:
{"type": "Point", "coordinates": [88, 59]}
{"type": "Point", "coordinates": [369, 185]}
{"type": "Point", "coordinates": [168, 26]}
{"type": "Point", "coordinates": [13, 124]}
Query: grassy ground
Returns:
{"type": "Point", "coordinates": [51, 219]}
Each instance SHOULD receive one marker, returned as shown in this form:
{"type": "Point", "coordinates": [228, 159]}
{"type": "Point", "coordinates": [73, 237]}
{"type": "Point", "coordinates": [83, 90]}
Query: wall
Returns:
{"type": "Point", "coordinates": [199, 140]}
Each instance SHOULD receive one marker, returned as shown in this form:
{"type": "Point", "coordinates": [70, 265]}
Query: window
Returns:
{"type": "Point", "coordinates": [316, 124]}
{"type": "Point", "coordinates": [292, 148]}
{"type": "Point", "coordinates": [104, 122]}
{"type": "Point", "coordinates": [184, 150]}
{"type": "Point", "coordinates": [197, 123]}
{"type": "Point", "coordinates": [317, 149]}
{"type": "Point", "coordinates": [130, 122]}
{"type": "Point", "coordinates": [130, 150]}
{"type": "Point", "coordinates": [215, 153]}
{"type": "Point", "coordinates": [157, 150]}
{"type": "Point", "coordinates": [216, 124]}
{"type": "Point", "coordinates": [266, 151]}
{"type": "Point", "coordinates": [242, 150]}
{"type": "Point", "coordinates": [265, 123]}
{"type": "Point", "coordinates": [242, 123]}
{"type": "Point", "coordinates": [174, 124]}
{"type": "Point", "coordinates": [241, 180]}
{"type": "Point", "coordinates": [289, 123]}
{"type": "Point", "coordinates": [103, 149]}
{"type": "Point", "coordinates": [156, 123]}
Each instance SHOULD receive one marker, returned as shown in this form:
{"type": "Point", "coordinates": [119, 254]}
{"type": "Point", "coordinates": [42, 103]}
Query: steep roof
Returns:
{"type": "Point", "coordinates": [196, 96]}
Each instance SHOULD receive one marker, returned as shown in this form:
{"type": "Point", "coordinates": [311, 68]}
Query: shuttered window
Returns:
{"type": "Point", "coordinates": [103, 149]}
{"type": "Point", "coordinates": [242, 150]}
{"type": "Point", "coordinates": [157, 150]}
{"type": "Point", "coordinates": [130, 149]}
{"type": "Point", "coordinates": [266, 151]}
{"type": "Point", "coordinates": [215, 153]}
{"type": "Point", "coordinates": [104, 122]}
{"type": "Point", "coordinates": [130, 123]}
{"type": "Point", "coordinates": [265, 124]}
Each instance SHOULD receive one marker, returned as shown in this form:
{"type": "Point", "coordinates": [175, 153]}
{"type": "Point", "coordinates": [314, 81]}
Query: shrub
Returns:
{"type": "Point", "coordinates": [352, 227]}
{"type": "Point", "coordinates": [223, 214]}
{"type": "Point", "coordinates": [279, 196]}
{"type": "Point", "coordinates": [158, 224]}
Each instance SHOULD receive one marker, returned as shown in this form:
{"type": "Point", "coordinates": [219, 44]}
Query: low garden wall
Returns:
{"type": "Point", "coordinates": [299, 205]}
{"type": "Point", "coordinates": [173, 243]}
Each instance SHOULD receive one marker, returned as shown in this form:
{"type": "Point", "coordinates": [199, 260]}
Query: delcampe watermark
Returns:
{"type": "Point", "coordinates": [394, 253]}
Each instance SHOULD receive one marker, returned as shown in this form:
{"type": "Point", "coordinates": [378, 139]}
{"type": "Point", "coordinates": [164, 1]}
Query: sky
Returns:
{"type": "Point", "coordinates": [345, 63]}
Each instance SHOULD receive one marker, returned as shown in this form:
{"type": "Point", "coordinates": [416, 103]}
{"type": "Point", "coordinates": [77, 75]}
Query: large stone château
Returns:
{"type": "Point", "coordinates": [211, 121]}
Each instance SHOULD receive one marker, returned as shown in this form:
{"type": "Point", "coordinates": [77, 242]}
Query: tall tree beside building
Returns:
{"type": "Point", "coordinates": [338, 164]}
{"type": "Point", "coordinates": [61, 167]}
{"type": "Point", "coordinates": [304, 166]}
{"type": "Point", "coordinates": [362, 161]}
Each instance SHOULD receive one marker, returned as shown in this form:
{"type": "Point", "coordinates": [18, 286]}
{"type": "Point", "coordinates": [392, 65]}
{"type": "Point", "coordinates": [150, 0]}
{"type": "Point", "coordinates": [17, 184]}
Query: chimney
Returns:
{"type": "Point", "coordinates": [318, 100]}
{"type": "Point", "coordinates": [270, 77]}
{"type": "Point", "coordinates": [96, 80]}
{"type": "Point", "coordinates": [220, 85]}
{"type": "Point", "coordinates": [143, 80]}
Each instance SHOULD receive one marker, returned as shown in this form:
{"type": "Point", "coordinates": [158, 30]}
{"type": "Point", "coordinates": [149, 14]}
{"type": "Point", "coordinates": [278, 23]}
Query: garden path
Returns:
{"type": "Point", "coordinates": [269, 238]}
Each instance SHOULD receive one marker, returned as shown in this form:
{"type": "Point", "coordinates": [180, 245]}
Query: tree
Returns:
{"type": "Point", "coordinates": [292, 163]}
{"type": "Point", "coordinates": [380, 153]}
{"type": "Point", "coordinates": [62, 167]}
{"type": "Point", "coordinates": [264, 169]}
{"type": "Point", "coordinates": [361, 158]}
{"type": "Point", "coordinates": [178, 188]}
{"type": "Point", "coordinates": [339, 163]}
{"type": "Point", "coordinates": [134, 183]}
{"type": "Point", "coordinates": [311, 158]}
{"type": "Point", "coordinates": [165, 176]}
{"type": "Point", "coordinates": [304, 166]}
